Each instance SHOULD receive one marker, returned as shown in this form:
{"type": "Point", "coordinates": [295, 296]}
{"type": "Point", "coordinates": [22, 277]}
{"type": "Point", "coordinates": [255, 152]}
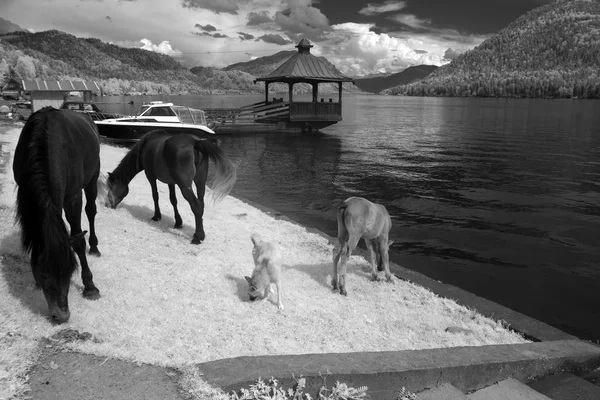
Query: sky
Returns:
{"type": "Point", "coordinates": [359, 37]}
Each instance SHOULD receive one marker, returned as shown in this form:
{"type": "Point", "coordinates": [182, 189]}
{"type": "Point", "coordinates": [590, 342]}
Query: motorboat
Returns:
{"type": "Point", "coordinates": [155, 115]}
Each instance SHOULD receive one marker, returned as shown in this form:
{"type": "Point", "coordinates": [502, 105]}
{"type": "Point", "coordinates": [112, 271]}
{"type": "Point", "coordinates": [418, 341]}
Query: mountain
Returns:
{"type": "Point", "coordinates": [379, 83]}
{"type": "Point", "coordinates": [7, 26]}
{"type": "Point", "coordinates": [551, 51]}
{"type": "Point", "coordinates": [57, 55]}
{"type": "Point", "coordinates": [262, 66]}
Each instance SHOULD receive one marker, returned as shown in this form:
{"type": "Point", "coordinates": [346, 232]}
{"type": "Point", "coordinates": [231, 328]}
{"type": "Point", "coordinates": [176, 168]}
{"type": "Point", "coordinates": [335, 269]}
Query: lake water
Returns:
{"type": "Point", "coordinates": [500, 197]}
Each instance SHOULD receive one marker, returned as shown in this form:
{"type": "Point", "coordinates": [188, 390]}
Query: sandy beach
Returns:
{"type": "Point", "coordinates": [169, 303]}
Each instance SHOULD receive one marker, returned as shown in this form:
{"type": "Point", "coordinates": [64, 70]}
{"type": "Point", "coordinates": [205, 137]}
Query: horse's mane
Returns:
{"type": "Point", "coordinates": [34, 201]}
{"type": "Point", "coordinates": [130, 165]}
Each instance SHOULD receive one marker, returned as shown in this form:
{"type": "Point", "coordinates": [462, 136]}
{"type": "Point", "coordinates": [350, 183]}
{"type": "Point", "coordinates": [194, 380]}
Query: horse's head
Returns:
{"type": "Point", "coordinates": [117, 190]}
{"type": "Point", "coordinates": [55, 285]}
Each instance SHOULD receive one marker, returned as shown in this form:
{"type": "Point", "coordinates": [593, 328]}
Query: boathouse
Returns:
{"type": "Point", "coordinates": [52, 92]}
{"type": "Point", "coordinates": [294, 114]}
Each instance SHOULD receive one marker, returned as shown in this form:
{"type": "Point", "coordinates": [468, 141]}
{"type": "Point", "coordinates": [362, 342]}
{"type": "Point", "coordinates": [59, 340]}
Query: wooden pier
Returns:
{"type": "Point", "coordinates": [274, 116]}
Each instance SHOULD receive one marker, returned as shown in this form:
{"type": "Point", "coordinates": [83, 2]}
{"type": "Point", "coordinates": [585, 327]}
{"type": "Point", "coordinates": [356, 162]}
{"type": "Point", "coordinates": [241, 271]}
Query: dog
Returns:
{"type": "Point", "coordinates": [267, 270]}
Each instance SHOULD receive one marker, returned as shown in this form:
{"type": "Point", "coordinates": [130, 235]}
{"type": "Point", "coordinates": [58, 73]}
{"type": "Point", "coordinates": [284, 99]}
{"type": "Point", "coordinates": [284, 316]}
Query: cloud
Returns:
{"type": "Point", "coordinates": [451, 54]}
{"type": "Point", "coordinates": [108, 18]}
{"type": "Point", "coordinates": [388, 6]}
{"type": "Point", "coordinates": [245, 36]}
{"type": "Point", "coordinates": [164, 47]}
{"type": "Point", "coordinates": [258, 18]}
{"type": "Point", "coordinates": [216, 6]}
{"type": "Point", "coordinates": [215, 35]}
{"type": "Point", "coordinates": [357, 51]}
{"type": "Point", "coordinates": [274, 39]}
{"type": "Point", "coordinates": [206, 28]}
{"type": "Point", "coordinates": [302, 19]}
{"type": "Point", "coordinates": [412, 21]}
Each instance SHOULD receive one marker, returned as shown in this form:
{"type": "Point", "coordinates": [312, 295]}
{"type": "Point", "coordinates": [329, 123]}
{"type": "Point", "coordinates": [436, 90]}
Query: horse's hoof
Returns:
{"type": "Point", "coordinates": [196, 241]}
{"type": "Point", "coordinates": [178, 226]}
{"type": "Point", "coordinates": [389, 279]}
{"type": "Point", "coordinates": [95, 252]}
{"type": "Point", "coordinates": [343, 292]}
{"type": "Point", "coordinates": [91, 294]}
{"type": "Point", "coordinates": [156, 218]}
{"type": "Point", "coordinates": [375, 278]}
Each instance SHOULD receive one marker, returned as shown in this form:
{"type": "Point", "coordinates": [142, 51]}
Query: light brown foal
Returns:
{"type": "Point", "coordinates": [359, 218]}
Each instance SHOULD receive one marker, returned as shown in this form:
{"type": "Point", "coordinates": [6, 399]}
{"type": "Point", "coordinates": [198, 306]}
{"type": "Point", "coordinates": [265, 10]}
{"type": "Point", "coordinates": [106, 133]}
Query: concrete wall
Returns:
{"type": "Point", "coordinates": [43, 99]}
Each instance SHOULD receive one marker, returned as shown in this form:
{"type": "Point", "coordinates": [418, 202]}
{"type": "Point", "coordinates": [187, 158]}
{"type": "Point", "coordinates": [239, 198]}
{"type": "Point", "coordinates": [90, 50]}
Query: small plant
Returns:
{"type": "Point", "coordinates": [270, 390]}
{"type": "Point", "coordinates": [404, 394]}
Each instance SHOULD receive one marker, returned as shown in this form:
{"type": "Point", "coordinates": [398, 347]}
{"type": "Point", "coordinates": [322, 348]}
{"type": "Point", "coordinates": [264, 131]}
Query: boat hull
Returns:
{"type": "Point", "coordinates": [128, 133]}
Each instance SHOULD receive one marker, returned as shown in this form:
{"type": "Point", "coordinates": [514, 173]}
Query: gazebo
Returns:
{"type": "Point", "coordinates": [307, 68]}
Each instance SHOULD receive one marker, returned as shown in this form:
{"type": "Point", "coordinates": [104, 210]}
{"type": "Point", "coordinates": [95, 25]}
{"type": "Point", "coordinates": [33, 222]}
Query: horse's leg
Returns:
{"type": "Point", "coordinates": [91, 191]}
{"type": "Point", "coordinates": [198, 210]}
{"type": "Point", "coordinates": [157, 215]}
{"type": "Point", "coordinates": [35, 268]}
{"type": "Point", "coordinates": [73, 214]}
{"type": "Point", "coordinates": [372, 257]}
{"type": "Point", "coordinates": [346, 253]}
{"type": "Point", "coordinates": [337, 250]}
{"type": "Point", "coordinates": [173, 198]}
{"type": "Point", "coordinates": [385, 256]}
{"type": "Point", "coordinates": [200, 183]}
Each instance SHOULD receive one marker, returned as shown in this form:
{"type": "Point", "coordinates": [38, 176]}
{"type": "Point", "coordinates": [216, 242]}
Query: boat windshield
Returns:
{"type": "Point", "coordinates": [139, 111]}
{"type": "Point", "coordinates": [189, 115]}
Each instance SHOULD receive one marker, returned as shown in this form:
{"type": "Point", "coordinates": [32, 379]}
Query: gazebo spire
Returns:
{"type": "Point", "coordinates": [304, 46]}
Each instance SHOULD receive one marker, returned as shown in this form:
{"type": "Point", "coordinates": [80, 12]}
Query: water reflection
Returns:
{"type": "Point", "coordinates": [291, 173]}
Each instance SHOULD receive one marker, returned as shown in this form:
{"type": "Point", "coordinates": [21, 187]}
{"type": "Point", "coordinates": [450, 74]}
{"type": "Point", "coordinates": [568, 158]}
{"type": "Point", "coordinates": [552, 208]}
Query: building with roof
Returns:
{"type": "Point", "coordinates": [304, 67]}
{"type": "Point", "coordinates": [44, 93]}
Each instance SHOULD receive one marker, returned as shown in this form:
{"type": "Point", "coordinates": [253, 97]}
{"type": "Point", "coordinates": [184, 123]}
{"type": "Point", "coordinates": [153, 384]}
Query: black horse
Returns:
{"type": "Point", "coordinates": [58, 155]}
{"type": "Point", "coordinates": [175, 160]}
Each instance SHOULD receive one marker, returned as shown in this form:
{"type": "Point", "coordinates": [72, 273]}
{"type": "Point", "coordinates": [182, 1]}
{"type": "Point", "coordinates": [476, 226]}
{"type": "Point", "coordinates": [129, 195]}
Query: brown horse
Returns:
{"type": "Point", "coordinates": [175, 160]}
{"type": "Point", "coordinates": [359, 218]}
{"type": "Point", "coordinates": [58, 155]}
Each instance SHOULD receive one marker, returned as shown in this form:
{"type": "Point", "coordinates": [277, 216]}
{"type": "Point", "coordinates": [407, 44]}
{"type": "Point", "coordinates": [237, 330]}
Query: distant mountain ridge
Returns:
{"type": "Point", "coordinates": [7, 27]}
{"type": "Point", "coordinates": [410, 74]}
{"type": "Point", "coordinates": [551, 51]}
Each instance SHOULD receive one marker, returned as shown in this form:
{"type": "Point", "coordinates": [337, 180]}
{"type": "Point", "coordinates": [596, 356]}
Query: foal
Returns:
{"type": "Point", "coordinates": [359, 218]}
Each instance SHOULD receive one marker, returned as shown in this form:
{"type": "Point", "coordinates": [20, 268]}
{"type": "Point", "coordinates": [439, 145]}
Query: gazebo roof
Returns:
{"type": "Point", "coordinates": [304, 66]}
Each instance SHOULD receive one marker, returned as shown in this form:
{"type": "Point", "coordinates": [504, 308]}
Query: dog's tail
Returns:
{"type": "Point", "coordinates": [256, 238]}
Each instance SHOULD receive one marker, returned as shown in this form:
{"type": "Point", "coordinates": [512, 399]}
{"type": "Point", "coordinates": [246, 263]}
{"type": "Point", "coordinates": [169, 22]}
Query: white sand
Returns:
{"type": "Point", "coordinates": [167, 302]}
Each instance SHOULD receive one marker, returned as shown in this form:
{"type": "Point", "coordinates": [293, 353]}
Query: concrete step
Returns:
{"type": "Point", "coordinates": [467, 368]}
{"type": "Point", "coordinates": [566, 386]}
{"type": "Point", "coordinates": [508, 389]}
{"type": "Point", "coordinates": [443, 392]}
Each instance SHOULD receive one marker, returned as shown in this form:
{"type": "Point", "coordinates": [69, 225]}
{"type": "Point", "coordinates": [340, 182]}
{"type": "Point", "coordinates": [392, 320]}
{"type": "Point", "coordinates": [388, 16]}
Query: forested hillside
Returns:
{"type": "Point", "coordinates": [118, 70]}
{"type": "Point", "coordinates": [551, 51]}
{"type": "Point", "coordinates": [410, 74]}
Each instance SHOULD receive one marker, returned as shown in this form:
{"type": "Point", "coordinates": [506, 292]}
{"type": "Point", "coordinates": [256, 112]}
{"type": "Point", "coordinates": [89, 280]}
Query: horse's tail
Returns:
{"type": "Point", "coordinates": [35, 206]}
{"type": "Point", "coordinates": [225, 170]}
{"type": "Point", "coordinates": [102, 187]}
{"type": "Point", "coordinates": [341, 220]}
